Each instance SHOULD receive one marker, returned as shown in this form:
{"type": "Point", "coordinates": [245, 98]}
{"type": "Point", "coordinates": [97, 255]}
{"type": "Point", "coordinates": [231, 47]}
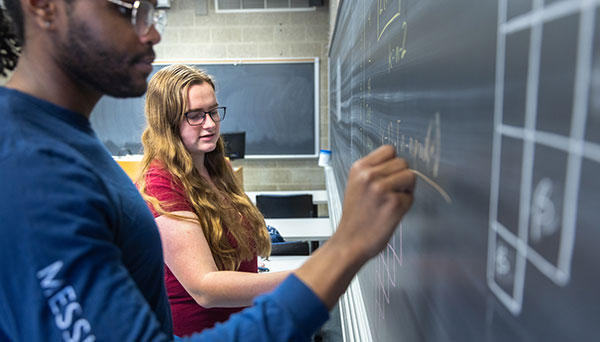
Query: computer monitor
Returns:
{"type": "Point", "coordinates": [235, 144]}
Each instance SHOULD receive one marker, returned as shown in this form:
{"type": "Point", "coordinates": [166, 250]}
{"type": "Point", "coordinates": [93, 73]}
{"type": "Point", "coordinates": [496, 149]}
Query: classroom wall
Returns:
{"type": "Point", "coordinates": [255, 35]}
{"type": "Point", "coordinates": [333, 7]}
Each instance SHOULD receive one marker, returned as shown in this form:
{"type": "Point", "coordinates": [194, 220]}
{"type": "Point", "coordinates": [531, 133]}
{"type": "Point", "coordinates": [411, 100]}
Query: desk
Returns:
{"type": "Point", "coordinates": [278, 263]}
{"type": "Point", "coordinates": [131, 165]}
{"type": "Point", "coordinates": [311, 229]}
{"type": "Point", "coordinates": [319, 196]}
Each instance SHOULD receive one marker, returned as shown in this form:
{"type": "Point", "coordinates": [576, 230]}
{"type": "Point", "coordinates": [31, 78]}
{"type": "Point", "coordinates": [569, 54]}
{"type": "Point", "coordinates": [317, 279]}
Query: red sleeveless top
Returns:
{"type": "Point", "coordinates": [188, 316]}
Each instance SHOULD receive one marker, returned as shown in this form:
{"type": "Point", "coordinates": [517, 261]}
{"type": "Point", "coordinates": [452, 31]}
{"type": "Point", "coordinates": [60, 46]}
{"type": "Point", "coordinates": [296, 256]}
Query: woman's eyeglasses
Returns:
{"type": "Point", "coordinates": [197, 117]}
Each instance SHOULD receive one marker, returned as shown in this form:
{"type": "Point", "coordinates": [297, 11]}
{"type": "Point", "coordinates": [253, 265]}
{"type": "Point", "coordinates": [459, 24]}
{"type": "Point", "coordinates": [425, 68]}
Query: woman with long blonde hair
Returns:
{"type": "Point", "coordinates": [211, 232]}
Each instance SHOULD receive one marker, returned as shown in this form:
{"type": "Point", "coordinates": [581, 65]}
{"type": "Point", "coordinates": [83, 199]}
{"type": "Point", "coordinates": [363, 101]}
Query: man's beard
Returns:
{"type": "Point", "coordinates": [89, 62]}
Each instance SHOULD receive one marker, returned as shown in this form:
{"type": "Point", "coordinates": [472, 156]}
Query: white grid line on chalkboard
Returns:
{"type": "Point", "coordinates": [533, 75]}
{"type": "Point", "coordinates": [496, 152]}
{"type": "Point", "coordinates": [546, 14]}
{"type": "Point", "coordinates": [559, 142]}
{"type": "Point", "coordinates": [511, 300]}
{"type": "Point", "coordinates": [580, 107]}
{"type": "Point", "coordinates": [575, 145]}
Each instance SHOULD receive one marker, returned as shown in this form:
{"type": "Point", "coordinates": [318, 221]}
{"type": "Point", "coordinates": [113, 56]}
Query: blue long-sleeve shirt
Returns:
{"type": "Point", "coordinates": [80, 254]}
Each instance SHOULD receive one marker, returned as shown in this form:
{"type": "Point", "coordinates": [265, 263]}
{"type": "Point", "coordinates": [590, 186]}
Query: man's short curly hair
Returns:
{"type": "Point", "coordinates": [10, 41]}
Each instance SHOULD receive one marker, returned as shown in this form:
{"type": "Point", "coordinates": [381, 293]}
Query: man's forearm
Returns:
{"type": "Point", "coordinates": [330, 269]}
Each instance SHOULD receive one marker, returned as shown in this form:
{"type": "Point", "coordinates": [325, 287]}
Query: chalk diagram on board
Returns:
{"type": "Point", "coordinates": [386, 270]}
{"type": "Point", "coordinates": [388, 16]}
{"type": "Point", "coordinates": [424, 151]}
{"type": "Point", "coordinates": [547, 204]}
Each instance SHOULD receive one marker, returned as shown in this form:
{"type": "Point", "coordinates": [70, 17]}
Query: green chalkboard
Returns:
{"type": "Point", "coordinates": [496, 105]}
{"type": "Point", "coordinates": [274, 102]}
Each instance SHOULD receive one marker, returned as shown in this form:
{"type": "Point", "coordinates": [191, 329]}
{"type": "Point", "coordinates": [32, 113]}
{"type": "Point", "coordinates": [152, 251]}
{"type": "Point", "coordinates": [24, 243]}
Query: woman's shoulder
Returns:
{"type": "Point", "coordinates": [162, 185]}
{"type": "Point", "coordinates": [158, 175]}
{"type": "Point", "coordinates": [157, 171]}
{"type": "Point", "coordinates": [157, 167]}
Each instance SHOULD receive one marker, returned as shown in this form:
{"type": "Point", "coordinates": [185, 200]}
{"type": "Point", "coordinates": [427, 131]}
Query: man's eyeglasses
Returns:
{"type": "Point", "coordinates": [143, 16]}
{"type": "Point", "coordinates": [197, 117]}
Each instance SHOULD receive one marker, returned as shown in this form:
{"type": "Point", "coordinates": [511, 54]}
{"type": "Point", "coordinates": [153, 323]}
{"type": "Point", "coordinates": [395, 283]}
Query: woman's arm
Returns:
{"type": "Point", "coordinates": [188, 255]}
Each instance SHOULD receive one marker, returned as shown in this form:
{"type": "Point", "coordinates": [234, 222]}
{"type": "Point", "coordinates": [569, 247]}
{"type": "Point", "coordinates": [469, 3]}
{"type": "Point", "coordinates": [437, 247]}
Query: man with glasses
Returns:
{"type": "Point", "coordinates": [143, 16]}
{"type": "Point", "coordinates": [80, 252]}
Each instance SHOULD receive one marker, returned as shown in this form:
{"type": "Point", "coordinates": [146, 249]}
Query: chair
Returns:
{"type": "Point", "coordinates": [287, 206]}
{"type": "Point", "coordinates": [290, 248]}
{"type": "Point", "coordinates": [235, 144]}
